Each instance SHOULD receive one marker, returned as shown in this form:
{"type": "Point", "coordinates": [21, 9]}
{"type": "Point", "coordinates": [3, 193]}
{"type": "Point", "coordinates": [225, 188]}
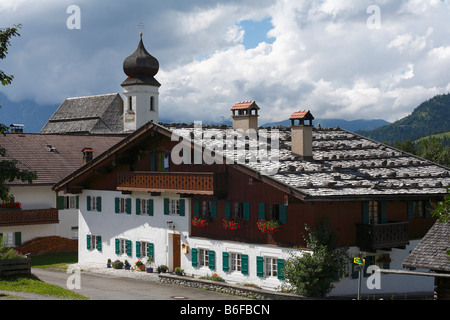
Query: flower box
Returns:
{"type": "Point", "coordinates": [232, 223]}
{"type": "Point", "coordinates": [10, 206]}
{"type": "Point", "coordinates": [268, 226]}
{"type": "Point", "coordinates": [199, 222]}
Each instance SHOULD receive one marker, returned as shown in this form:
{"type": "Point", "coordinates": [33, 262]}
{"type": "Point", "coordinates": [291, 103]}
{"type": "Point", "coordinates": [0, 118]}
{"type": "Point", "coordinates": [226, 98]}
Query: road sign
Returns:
{"type": "Point", "coordinates": [359, 261]}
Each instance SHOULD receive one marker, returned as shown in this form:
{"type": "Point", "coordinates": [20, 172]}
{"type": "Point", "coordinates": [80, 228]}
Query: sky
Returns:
{"type": "Point", "coordinates": [353, 59]}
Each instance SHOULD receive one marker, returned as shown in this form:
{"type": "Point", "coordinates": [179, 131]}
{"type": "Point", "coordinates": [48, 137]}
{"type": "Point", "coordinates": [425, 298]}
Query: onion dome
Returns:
{"type": "Point", "coordinates": [141, 67]}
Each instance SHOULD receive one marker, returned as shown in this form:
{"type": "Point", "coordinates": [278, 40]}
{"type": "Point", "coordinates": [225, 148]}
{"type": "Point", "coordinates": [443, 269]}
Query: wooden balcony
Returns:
{"type": "Point", "coordinates": [372, 237]}
{"type": "Point", "coordinates": [28, 217]}
{"type": "Point", "coordinates": [206, 183]}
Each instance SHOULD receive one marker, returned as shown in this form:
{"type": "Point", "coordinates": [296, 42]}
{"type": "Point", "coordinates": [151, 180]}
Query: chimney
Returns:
{"type": "Point", "coordinates": [88, 155]}
{"type": "Point", "coordinates": [245, 115]}
{"type": "Point", "coordinates": [301, 134]}
{"type": "Point", "coordinates": [16, 128]}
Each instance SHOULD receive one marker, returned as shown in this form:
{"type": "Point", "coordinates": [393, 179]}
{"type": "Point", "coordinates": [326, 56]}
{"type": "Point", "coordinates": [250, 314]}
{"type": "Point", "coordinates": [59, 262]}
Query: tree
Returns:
{"type": "Point", "coordinates": [9, 170]}
{"type": "Point", "coordinates": [442, 210]}
{"type": "Point", "coordinates": [313, 274]}
{"type": "Point", "coordinates": [433, 150]}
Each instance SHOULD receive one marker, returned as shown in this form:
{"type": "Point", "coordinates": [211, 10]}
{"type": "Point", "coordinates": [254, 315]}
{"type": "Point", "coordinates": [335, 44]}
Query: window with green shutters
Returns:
{"type": "Point", "coordinates": [93, 242]}
{"type": "Point", "coordinates": [68, 202]}
{"type": "Point", "coordinates": [174, 207]}
{"type": "Point", "coordinates": [93, 203]}
{"type": "Point", "coordinates": [122, 205]}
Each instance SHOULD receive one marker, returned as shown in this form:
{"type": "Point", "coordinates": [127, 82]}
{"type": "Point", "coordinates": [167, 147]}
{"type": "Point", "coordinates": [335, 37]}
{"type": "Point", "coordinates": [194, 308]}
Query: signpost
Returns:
{"type": "Point", "coordinates": [360, 262]}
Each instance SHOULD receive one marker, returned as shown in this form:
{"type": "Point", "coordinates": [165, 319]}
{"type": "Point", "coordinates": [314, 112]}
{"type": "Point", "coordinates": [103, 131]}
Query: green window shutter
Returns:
{"type": "Point", "coordinates": [246, 214]}
{"type": "Point", "coordinates": [138, 249]}
{"type": "Point", "coordinates": [138, 206]}
{"type": "Point", "coordinates": [182, 202]}
{"type": "Point", "coordinates": [151, 250]}
{"type": "Point", "coordinates": [99, 243]}
{"type": "Point", "coordinates": [365, 212]}
{"type": "Point", "coordinates": [117, 204]}
{"type": "Point", "coordinates": [280, 269]}
{"type": "Point", "coordinates": [261, 211]}
{"type": "Point", "coordinates": [227, 209]}
{"type": "Point", "coordinates": [225, 262]}
{"type": "Point", "coordinates": [212, 260]}
{"type": "Point", "coordinates": [61, 203]}
{"type": "Point", "coordinates": [427, 209]}
{"type": "Point", "coordinates": [213, 208]}
{"type": "Point", "coordinates": [128, 200]}
{"type": "Point", "coordinates": [196, 208]}
{"type": "Point", "coordinates": [410, 210]}
{"type": "Point", "coordinates": [260, 266]}
{"type": "Point", "coordinates": [152, 161]}
{"type": "Point", "coordinates": [77, 201]}
{"type": "Point", "coordinates": [383, 209]}
{"type": "Point", "coordinates": [244, 264]}
{"type": "Point", "coordinates": [355, 272]}
{"type": "Point", "coordinates": [150, 207]}
{"type": "Point", "coordinates": [129, 248]}
{"type": "Point", "coordinates": [283, 214]}
{"type": "Point", "coordinates": [194, 258]}
{"type": "Point", "coordinates": [166, 206]}
{"type": "Point", "coordinates": [88, 242]}
{"type": "Point", "coordinates": [88, 203]}
{"type": "Point", "coordinates": [99, 204]}
{"type": "Point", "coordinates": [17, 238]}
{"type": "Point", "coordinates": [117, 246]}
{"type": "Point", "coordinates": [369, 262]}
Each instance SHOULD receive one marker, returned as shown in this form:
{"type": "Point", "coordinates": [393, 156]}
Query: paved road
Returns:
{"type": "Point", "coordinates": [107, 287]}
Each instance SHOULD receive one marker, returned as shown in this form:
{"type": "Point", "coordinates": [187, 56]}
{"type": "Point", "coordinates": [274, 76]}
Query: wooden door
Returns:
{"type": "Point", "coordinates": [176, 245]}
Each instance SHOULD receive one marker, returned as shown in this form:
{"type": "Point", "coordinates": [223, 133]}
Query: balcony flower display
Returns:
{"type": "Point", "coordinates": [199, 222]}
{"type": "Point", "coordinates": [268, 226]}
{"type": "Point", "coordinates": [232, 223]}
{"type": "Point", "coordinates": [11, 206]}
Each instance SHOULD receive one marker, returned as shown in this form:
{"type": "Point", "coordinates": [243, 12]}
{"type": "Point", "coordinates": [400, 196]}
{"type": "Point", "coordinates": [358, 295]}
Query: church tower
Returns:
{"type": "Point", "coordinates": [140, 89]}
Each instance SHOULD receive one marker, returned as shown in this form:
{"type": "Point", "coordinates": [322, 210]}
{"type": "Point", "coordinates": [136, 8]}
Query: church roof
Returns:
{"type": "Point", "coordinates": [52, 156]}
{"type": "Point", "coordinates": [99, 114]}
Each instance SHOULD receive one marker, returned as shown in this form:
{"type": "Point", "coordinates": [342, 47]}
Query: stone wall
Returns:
{"type": "Point", "coordinates": [226, 288]}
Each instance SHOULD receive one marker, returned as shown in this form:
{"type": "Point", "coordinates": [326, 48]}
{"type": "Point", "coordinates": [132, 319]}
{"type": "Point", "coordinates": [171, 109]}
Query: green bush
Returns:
{"type": "Point", "coordinates": [117, 264]}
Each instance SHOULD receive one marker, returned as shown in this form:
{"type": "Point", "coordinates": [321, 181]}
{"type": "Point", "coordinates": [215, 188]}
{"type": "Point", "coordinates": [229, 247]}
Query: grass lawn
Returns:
{"type": "Point", "coordinates": [32, 284]}
{"type": "Point", "coordinates": [58, 260]}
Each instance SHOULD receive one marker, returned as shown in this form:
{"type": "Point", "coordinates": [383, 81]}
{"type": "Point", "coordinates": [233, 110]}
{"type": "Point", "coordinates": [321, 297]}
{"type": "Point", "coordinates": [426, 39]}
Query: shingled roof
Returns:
{"type": "Point", "coordinates": [100, 114]}
{"type": "Point", "coordinates": [52, 156]}
{"type": "Point", "coordinates": [430, 253]}
{"type": "Point", "coordinates": [344, 166]}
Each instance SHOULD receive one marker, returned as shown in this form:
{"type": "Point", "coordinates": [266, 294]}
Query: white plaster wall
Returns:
{"type": "Point", "coordinates": [141, 105]}
{"type": "Point", "coordinates": [252, 250]}
{"type": "Point", "coordinates": [110, 225]}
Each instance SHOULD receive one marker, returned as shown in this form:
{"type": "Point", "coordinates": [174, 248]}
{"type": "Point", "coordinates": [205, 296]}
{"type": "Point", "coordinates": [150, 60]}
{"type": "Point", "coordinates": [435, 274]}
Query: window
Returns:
{"type": "Point", "coordinates": [123, 246]}
{"type": "Point", "coordinates": [152, 103]}
{"type": "Point", "coordinates": [11, 239]}
{"type": "Point", "coordinates": [374, 213]}
{"type": "Point", "coordinates": [174, 206]}
{"type": "Point", "coordinates": [94, 203]}
{"type": "Point", "coordinates": [94, 242]}
{"type": "Point", "coordinates": [271, 267]}
{"type": "Point", "coordinates": [130, 101]}
{"type": "Point", "coordinates": [419, 209]}
{"type": "Point", "coordinates": [203, 257]}
{"type": "Point", "coordinates": [236, 261]}
{"type": "Point", "coordinates": [67, 202]}
{"type": "Point", "coordinates": [123, 205]}
{"type": "Point", "coordinates": [74, 231]}
{"type": "Point", "coordinates": [239, 210]}
{"type": "Point", "coordinates": [147, 206]}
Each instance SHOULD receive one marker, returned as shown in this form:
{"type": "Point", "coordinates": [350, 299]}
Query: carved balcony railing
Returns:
{"type": "Point", "coordinates": [175, 182]}
{"type": "Point", "coordinates": [371, 237]}
{"type": "Point", "coordinates": [28, 217]}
